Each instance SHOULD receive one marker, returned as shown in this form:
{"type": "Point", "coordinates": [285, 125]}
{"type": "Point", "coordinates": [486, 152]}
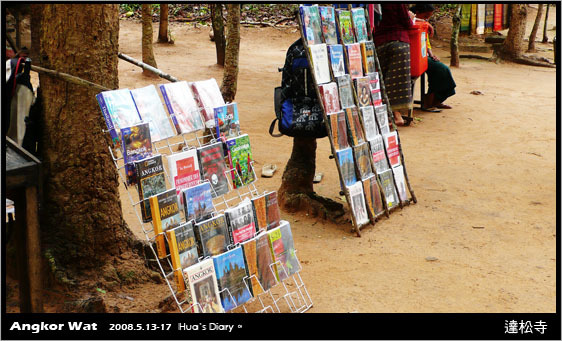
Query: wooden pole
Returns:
{"type": "Point", "coordinates": [70, 78]}
{"type": "Point", "coordinates": [147, 67]}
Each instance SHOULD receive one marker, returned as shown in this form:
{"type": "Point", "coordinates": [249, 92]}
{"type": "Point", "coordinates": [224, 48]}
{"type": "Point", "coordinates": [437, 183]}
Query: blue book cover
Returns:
{"type": "Point", "coordinates": [119, 111]}
{"type": "Point", "coordinates": [359, 24]}
{"type": "Point", "coordinates": [198, 202]}
{"type": "Point", "coordinates": [328, 19]}
{"type": "Point", "coordinates": [137, 145]}
{"type": "Point", "coordinates": [227, 123]}
{"type": "Point", "coordinates": [347, 166]}
{"type": "Point", "coordinates": [231, 271]}
{"type": "Point", "coordinates": [337, 60]}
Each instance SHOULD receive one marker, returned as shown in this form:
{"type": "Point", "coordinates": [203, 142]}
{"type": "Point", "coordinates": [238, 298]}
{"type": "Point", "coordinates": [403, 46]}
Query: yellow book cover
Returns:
{"type": "Point", "coordinates": [174, 254]}
{"type": "Point", "coordinates": [157, 223]}
{"type": "Point", "coordinates": [473, 14]}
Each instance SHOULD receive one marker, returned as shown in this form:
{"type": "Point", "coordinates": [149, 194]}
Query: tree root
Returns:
{"type": "Point", "coordinates": [313, 204]}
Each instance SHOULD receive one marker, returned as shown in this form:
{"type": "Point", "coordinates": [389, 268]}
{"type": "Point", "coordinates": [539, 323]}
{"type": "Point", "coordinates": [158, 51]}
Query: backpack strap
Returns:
{"type": "Point", "coordinates": [272, 127]}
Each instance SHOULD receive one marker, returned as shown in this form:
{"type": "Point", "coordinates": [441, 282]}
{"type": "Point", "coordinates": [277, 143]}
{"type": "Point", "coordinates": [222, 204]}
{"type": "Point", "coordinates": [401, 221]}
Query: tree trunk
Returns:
{"type": "Point", "coordinates": [35, 34]}
{"type": "Point", "coordinates": [82, 221]}
{"type": "Point", "coordinates": [296, 192]}
{"type": "Point", "coordinates": [513, 45]}
{"type": "Point", "coordinates": [147, 53]}
{"type": "Point", "coordinates": [230, 75]}
{"type": "Point", "coordinates": [163, 34]}
{"type": "Point", "coordinates": [455, 37]}
{"type": "Point", "coordinates": [544, 36]}
{"type": "Point", "coordinates": [218, 32]}
{"type": "Point", "coordinates": [533, 35]}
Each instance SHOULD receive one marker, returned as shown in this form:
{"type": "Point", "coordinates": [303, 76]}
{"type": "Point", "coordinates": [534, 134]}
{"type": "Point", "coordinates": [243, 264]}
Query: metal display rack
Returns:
{"type": "Point", "coordinates": [293, 293]}
{"type": "Point", "coordinates": [392, 125]}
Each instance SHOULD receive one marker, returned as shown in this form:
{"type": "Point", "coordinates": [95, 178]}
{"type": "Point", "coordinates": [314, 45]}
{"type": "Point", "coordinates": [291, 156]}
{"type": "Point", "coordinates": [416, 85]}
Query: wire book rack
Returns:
{"type": "Point", "coordinates": [287, 295]}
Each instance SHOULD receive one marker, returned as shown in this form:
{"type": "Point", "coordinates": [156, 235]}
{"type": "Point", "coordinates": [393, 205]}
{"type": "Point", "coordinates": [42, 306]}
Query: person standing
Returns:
{"type": "Point", "coordinates": [393, 49]}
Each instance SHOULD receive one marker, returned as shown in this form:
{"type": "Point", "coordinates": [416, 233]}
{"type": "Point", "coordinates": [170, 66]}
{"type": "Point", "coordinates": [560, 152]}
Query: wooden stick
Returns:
{"type": "Point", "coordinates": [147, 67]}
{"type": "Point", "coordinates": [70, 78]}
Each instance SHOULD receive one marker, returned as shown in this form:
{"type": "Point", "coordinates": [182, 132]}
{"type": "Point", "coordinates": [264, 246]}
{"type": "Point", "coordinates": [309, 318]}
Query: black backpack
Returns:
{"type": "Point", "coordinates": [297, 107]}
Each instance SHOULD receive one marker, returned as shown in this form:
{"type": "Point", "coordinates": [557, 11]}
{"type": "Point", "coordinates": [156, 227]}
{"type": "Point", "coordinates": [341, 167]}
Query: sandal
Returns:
{"type": "Point", "coordinates": [317, 177]}
{"type": "Point", "coordinates": [268, 170]}
{"type": "Point", "coordinates": [443, 106]}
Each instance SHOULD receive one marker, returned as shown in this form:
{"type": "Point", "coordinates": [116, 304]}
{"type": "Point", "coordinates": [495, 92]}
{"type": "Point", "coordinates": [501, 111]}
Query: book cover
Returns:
{"type": "Point", "coordinates": [211, 158]}
{"type": "Point", "coordinates": [182, 107]}
{"type": "Point", "coordinates": [359, 23]}
{"type": "Point", "coordinates": [272, 210]}
{"type": "Point", "coordinates": [400, 182]}
{"type": "Point", "coordinates": [165, 215]}
{"type": "Point", "coordinates": [151, 181]}
{"type": "Point", "coordinates": [241, 222]}
{"type": "Point", "coordinates": [267, 270]}
{"type": "Point", "coordinates": [373, 198]}
{"type": "Point", "coordinates": [119, 111]}
{"type": "Point", "coordinates": [227, 123]}
{"type": "Point", "coordinates": [151, 110]}
{"type": "Point", "coordinates": [489, 20]}
{"type": "Point", "coordinates": [320, 63]}
{"type": "Point", "coordinates": [376, 95]}
{"type": "Point", "coordinates": [354, 60]}
{"type": "Point", "coordinates": [312, 27]}
{"type": "Point", "coordinates": [231, 271]}
{"type": "Point", "coordinates": [198, 202]}
{"type": "Point", "coordinates": [387, 184]}
{"type": "Point", "coordinates": [212, 236]}
{"type": "Point", "coordinates": [369, 122]}
{"type": "Point", "coordinates": [328, 19]}
{"type": "Point", "coordinates": [368, 56]}
{"type": "Point", "coordinates": [250, 256]}
{"type": "Point", "coordinates": [204, 287]}
{"type": "Point", "coordinates": [183, 251]}
{"type": "Point", "coordinates": [260, 211]}
{"type": "Point", "coordinates": [240, 157]}
{"type": "Point", "coordinates": [392, 148]}
{"type": "Point", "coordinates": [481, 18]}
{"type": "Point", "coordinates": [337, 60]}
{"type": "Point", "coordinates": [346, 91]}
{"type": "Point", "coordinates": [284, 253]}
{"type": "Point", "coordinates": [339, 130]}
{"type": "Point", "coordinates": [363, 88]}
{"type": "Point", "coordinates": [330, 97]}
{"type": "Point", "coordinates": [347, 166]}
{"type": "Point", "coordinates": [382, 118]}
{"type": "Point", "coordinates": [357, 203]}
{"type": "Point", "coordinates": [344, 19]}
{"type": "Point", "coordinates": [137, 145]}
{"type": "Point", "coordinates": [207, 96]}
{"type": "Point", "coordinates": [184, 170]}
{"type": "Point", "coordinates": [379, 157]}
{"type": "Point", "coordinates": [354, 126]}
{"type": "Point", "coordinates": [362, 156]}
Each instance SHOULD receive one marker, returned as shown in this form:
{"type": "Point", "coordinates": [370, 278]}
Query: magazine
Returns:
{"type": "Point", "coordinates": [151, 110]}
{"type": "Point", "coordinates": [320, 63]}
{"type": "Point", "coordinates": [358, 203]}
{"type": "Point", "coordinates": [182, 107]}
{"type": "Point", "coordinates": [203, 285]}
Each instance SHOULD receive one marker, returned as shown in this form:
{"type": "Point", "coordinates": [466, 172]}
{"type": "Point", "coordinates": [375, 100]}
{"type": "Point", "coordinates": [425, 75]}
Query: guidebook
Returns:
{"type": "Point", "coordinates": [250, 256]}
{"type": "Point", "coordinates": [330, 97]}
{"type": "Point", "coordinates": [369, 123]}
{"type": "Point", "coordinates": [359, 23]}
{"type": "Point", "coordinates": [354, 125]}
{"type": "Point", "coordinates": [346, 91]}
{"type": "Point", "coordinates": [231, 271]}
{"type": "Point", "coordinates": [212, 236]}
{"type": "Point", "coordinates": [184, 170]}
{"type": "Point", "coordinates": [284, 254]}
{"type": "Point", "coordinates": [312, 27]}
{"type": "Point", "coordinates": [241, 223]}
{"type": "Point", "coordinates": [363, 88]}
{"type": "Point", "coordinates": [347, 166]}
{"type": "Point", "coordinates": [260, 212]}
{"type": "Point", "coordinates": [382, 118]}
{"type": "Point", "coordinates": [151, 110]}
{"type": "Point", "coordinates": [379, 157]}
{"type": "Point", "coordinates": [354, 60]}
{"type": "Point", "coordinates": [119, 111]}
{"type": "Point", "coordinates": [320, 62]}
{"type": "Point", "coordinates": [387, 184]}
{"type": "Point", "coordinates": [165, 215]}
{"type": "Point", "coordinates": [337, 60]}
{"type": "Point", "coordinates": [183, 251]}
{"type": "Point", "coordinates": [374, 83]}
{"type": "Point", "coordinates": [198, 202]}
{"type": "Point", "coordinates": [362, 156]}
{"type": "Point", "coordinates": [400, 182]}
{"type": "Point", "coordinates": [339, 130]}
{"type": "Point", "coordinates": [392, 148]}
{"type": "Point", "coordinates": [213, 167]}
{"type": "Point", "coordinates": [328, 19]}
{"type": "Point", "coordinates": [358, 203]}
{"type": "Point", "coordinates": [182, 107]}
{"type": "Point", "coordinates": [137, 145]}
{"type": "Point", "coordinates": [368, 56]}
{"type": "Point", "coordinates": [240, 158]}
{"type": "Point", "coordinates": [227, 123]}
{"type": "Point", "coordinates": [344, 19]}
{"type": "Point", "coordinates": [373, 197]}
{"type": "Point", "coordinates": [273, 213]}
{"type": "Point", "coordinates": [151, 181]}
{"type": "Point", "coordinates": [203, 286]}
{"type": "Point", "coordinates": [267, 270]}
{"type": "Point", "coordinates": [208, 96]}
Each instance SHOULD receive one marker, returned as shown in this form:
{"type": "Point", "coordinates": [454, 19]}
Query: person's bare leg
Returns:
{"type": "Point", "coordinates": [398, 118]}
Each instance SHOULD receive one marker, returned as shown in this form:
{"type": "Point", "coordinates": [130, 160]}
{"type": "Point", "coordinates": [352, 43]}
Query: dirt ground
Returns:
{"type": "Point", "coordinates": [482, 236]}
